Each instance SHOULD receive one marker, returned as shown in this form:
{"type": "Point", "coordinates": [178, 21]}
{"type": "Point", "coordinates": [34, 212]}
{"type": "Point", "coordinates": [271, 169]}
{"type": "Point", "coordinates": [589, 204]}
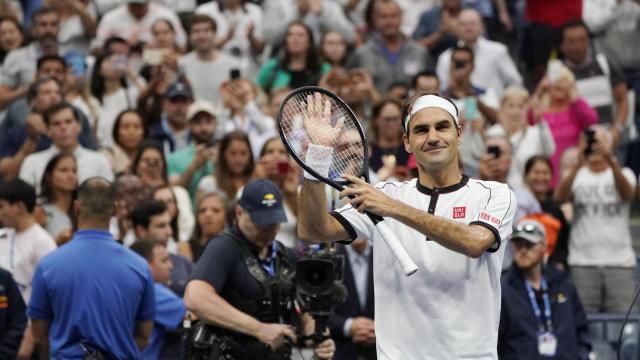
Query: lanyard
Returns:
{"type": "Point", "coordinates": [270, 266]}
{"type": "Point", "coordinates": [536, 308]}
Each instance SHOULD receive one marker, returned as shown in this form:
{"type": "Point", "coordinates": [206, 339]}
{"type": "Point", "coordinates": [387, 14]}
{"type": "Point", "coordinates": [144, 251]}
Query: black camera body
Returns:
{"type": "Point", "coordinates": [318, 281]}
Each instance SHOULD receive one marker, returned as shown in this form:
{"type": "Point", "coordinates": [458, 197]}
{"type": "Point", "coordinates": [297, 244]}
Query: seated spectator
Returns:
{"type": "Point", "coordinates": [188, 166]}
{"type": "Point", "coordinates": [566, 113]}
{"type": "Point", "coordinates": [150, 220]}
{"type": "Point", "coordinates": [132, 21]}
{"type": "Point", "coordinates": [526, 140]}
{"type": "Point", "coordinates": [541, 314]}
{"type": "Point", "coordinates": [63, 126]}
{"type": "Point", "coordinates": [77, 25]}
{"type": "Point", "coordinates": [170, 309]}
{"type": "Point", "coordinates": [13, 318]}
{"type": "Point", "coordinates": [334, 49]}
{"type": "Point", "coordinates": [173, 128]}
{"type": "Point", "coordinates": [388, 55]}
{"type": "Point", "coordinates": [239, 30]}
{"type": "Point", "coordinates": [58, 194]}
{"type": "Point", "coordinates": [386, 140]}
{"type": "Point", "coordinates": [210, 221]}
{"type": "Point", "coordinates": [496, 160]}
{"type": "Point", "coordinates": [182, 222]}
{"type": "Point", "coordinates": [11, 36]}
{"type": "Point", "coordinates": [438, 26]}
{"type": "Point", "coordinates": [234, 167]}
{"type": "Point", "coordinates": [493, 67]}
{"type": "Point", "coordinates": [24, 243]}
{"type": "Point", "coordinates": [128, 134]}
{"type": "Point", "coordinates": [426, 82]}
{"type": "Point", "coordinates": [296, 65]}
{"type": "Point", "coordinates": [601, 256]}
{"type": "Point", "coordinates": [113, 318]}
{"type": "Point", "coordinates": [205, 58]}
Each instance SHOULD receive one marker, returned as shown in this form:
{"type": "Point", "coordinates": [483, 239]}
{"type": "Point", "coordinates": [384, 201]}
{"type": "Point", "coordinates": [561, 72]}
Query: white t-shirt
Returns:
{"type": "Point", "coordinates": [21, 252]}
{"type": "Point", "coordinates": [206, 77]}
{"type": "Point", "coordinates": [600, 234]}
{"type": "Point", "coordinates": [450, 308]}
{"type": "Point", "coordinates": [112, 106]}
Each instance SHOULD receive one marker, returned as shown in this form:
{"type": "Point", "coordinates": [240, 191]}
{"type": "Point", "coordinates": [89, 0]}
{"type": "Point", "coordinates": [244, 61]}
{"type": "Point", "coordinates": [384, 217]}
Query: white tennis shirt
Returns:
{"type": "Point", "coordinates": [450, 308]}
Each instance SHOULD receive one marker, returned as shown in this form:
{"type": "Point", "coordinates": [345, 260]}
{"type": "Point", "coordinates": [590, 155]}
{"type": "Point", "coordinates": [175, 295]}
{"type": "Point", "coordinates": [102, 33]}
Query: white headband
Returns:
{"type": "Point", "coordinates": [431, 101]}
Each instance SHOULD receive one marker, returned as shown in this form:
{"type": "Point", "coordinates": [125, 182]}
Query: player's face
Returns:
{"type": "Point", "coordinates": [434, 139]}
{"type": "Point", "coordinates": [526, 255]}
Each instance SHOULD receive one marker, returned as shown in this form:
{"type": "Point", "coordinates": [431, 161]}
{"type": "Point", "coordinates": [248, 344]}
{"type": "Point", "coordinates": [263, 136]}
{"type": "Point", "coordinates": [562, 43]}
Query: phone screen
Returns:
{"type": "Point", "coordinates": [283, 168]}
{"type": "Point", "coordinates": [470, 108]}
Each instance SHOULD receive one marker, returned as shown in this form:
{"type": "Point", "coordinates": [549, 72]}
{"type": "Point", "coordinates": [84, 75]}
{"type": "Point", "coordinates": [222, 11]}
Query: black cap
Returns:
{"type": "Point", "coordinates": [263, 201]}
{"type": "Point", "coordinates": [179, 89]}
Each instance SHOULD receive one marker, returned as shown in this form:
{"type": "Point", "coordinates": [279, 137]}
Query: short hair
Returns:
{"type": "Point", "coordinates": [35, 87]}
{"type": "Point", "coordinates": [46, 58]}
{"type": "Point", "coordinates": [143, 212]}
{"type": "Point", "coordinates": [426, 73]}
{"type": "Point", "coordinates": [95, 199]}
{"type": "Point", "coordinates": [56, 108]}
{"type": "Point", "coordinates": [44, 10]}
{"type": "Point", "coordinates": [536, 159]}
{"type": "Point", "coordinates": [573, 23]}
{"type": "Point", "coordinates": [369, 11]}
{"type": "Point", "coordinates": [18, 190]}
{"type": "Point", "coordinates": [144, 248]}
{"type": "Point", "coordinates": [463, 48]}
{"type": "Point", "coordinates": [201, 18]}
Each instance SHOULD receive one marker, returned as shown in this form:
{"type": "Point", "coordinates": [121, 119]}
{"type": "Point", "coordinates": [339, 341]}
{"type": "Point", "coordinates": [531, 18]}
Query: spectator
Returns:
{"type": "Point", "coordinates": [19, 66]}
{"type": "Point", "coordinates": [210, 221]}
{"type": "Point", "coordinates": [73, 320]}
{"type": "Point", "coordinates": [182, 222]}
{"type": "Point", "coordinates": [426, 82]}
{"type": "Point", "coordinates": [205, 58]}
{"type": "Point", "coordinates": [150, 165]}
{"type": "Point", "coordinates": [352, 327]}
{"type": "Point", "coordinates": [601, 256]}
{"type": "Point", "coordinates": [24, 243]}
{"type": "Point", "coordinates": [151, 220]}
{"type": "Point", "coordinates": [472, 148]}
{"type": "Point", "coordinates": [438, 26]}
{"type": "Point", "coordinates": [493, 67]}
{"type": "Point", "coordinates": [11, 36]}
{"type": "Point", "coordinates": [128, 134]}
{"type": "Point", "coordinates": [539, 304]}
{"type": "Point", "coordinates": [495, 164]}
{"type": "Point", "coordinates": [388, 55]}
{"type": "Point", "coordinates": [334, 49]}
{"type": "Point", "coordinates": [116, 87]}
{"type": "Point", "coordinates": [78, 93]}
{"type": "Point", "coordinates": [565, 112]}
{"type": "Point", "coordinates": [297, 64]}
{"type": "Point", "coordinates": [318, 16]}
{"type": "Point", "coordinates": [598, 81]}
{"type": "Point", "coordinates": [355, 87]}
{"type": "Point", "coordinates": [173, 128]}
{"type": "Point", "coordinates": [188, 166]}
{"type": "Point", "coordinates": [77, 25]}
{"type": "Point", "coordinates": [13, 320]}
{"type": "Point", "coordinates": [170, 309]}
{"type": "Point", "coordinates": [63, 126]}
{"type": "Point", "coordinates": [239, 30]}
{"type": "Point", "coordinates": [526, 140]}
{"type": "Point", "coordinates": [234, 167]}
{"type": "Point", "coordinates": [58, 192]}
{"type": "Point", "coordinates": [398, 90]}
{"type": "Point", "coordinates": [386, 143]}
{"type": "Point", "coordinates": [129, 191]}
{"type": "Point", "coordinates": [132, 21]}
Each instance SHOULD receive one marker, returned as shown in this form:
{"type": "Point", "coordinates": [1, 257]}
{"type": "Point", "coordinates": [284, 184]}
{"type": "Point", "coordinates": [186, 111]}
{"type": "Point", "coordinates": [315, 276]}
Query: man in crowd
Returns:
{"type": "Point", "coordinates": [63, 127]}
{"type": "Point", "coordinates": [172, 129]}
{"type": "Point", "coordinates": [92, 297]}
{"type": "Point", "coordinates": [230, 287]}
{"type": "Point", "coordinates": [438, 26]}
{"type": "Point", "coordinates": [541, 314]}
{"type": "Point", "coordinates": [13, 319]}
{"type": "Point", "coordinates": [128, 192]}
{"type": "Point", "coordinates": [426, 82]}
{"type": "Point", "coordinates": [170, 309]}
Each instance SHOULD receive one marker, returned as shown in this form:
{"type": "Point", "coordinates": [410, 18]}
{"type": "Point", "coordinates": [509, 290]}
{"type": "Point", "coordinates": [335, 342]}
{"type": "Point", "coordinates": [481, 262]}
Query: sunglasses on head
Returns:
{"type": "Point", "coordinates": [529, 229]}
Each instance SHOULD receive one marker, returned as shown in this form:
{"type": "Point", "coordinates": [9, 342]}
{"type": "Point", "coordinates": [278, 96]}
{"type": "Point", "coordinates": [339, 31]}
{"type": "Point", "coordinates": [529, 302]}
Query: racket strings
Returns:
{"type": "Point", "coordinates": [338, 129]}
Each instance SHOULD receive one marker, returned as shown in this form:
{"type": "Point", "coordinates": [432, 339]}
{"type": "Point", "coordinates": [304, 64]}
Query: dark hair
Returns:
{"type": "Point", "coordinates": [18, 190]}
{"type": "Point", "coordinates": [197, 230]}
{"type": "Point", "coordinates": [32, 93]}
{"type": "Point", "coordinates": [376, 110]}
{"type": "Point", "coordinates": [370, 9]}
{"type": "Point", "coordinates": [534, 160]}
{"type": "Point", "coordinates": [263, 150]}
{"type": "Point", "coordinates": [162, 20]}
{"type": "Point", "coordinates": [116, 125]}
{"type": "Point", "coordinates": [97, 82]}
{"type": "Point", "coordinates": [15, 22]}
{"type": "Point", "coordinates": [150, 145]}
{"type": "Point", "coordinates": [113, 40]}
{"type": "Point", "coordinates": [573, 23]}
{"type": "Point", "coordinates": [46, 58]}
{"type": "Point", "coordinates": [56, 108]}
{"type": "Point", "coordinates": [174, 220]}
{"type": "Point", "coordinates": [47, 192]}
{"type": "Point", "coordinates": [312, 61]}
{"type": "Point", "coordinates": [348, 47]}
{"type": "Point", "coordinates": [222, 174]}
{"type": "Point", "coordinates": [201, 18]}
{"type": "Point", "coordinates": [426, 73]}
{"type": "Point", "coordinates": [95, 199]}
{"type": "Point", "coordinates": [43, 10]}
{"type": "Point", "coordinates": [145, 248]}
{"type": "Point", "coordinates": [462, 48]}
{"type": "Point", "coordinates": [143, 212]}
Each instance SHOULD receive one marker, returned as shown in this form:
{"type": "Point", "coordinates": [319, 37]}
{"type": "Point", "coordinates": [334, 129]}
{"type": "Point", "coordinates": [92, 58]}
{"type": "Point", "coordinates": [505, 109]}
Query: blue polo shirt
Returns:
{"type": "Point", "coordinates": [92, 290]}
{"type": "Point", "coordinates": [170, 311]}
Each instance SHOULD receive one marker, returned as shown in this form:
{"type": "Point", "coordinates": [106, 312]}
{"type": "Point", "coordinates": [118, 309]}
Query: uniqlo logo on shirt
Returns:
{"type": "Point", "coordinates": [459, 212]}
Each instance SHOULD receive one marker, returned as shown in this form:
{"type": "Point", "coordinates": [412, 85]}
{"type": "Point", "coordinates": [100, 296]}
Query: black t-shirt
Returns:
{"type": "Point", "coordinates": [375, 160]}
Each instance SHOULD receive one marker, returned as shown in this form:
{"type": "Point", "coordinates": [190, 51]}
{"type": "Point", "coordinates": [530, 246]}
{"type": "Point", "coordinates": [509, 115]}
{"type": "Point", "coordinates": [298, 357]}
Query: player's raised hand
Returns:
{"type": "Point", "coordinates": [317, 121]}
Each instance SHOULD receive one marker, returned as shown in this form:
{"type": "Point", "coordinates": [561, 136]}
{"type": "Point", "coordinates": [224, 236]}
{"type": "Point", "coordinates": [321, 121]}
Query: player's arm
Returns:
{"type": "Point", "coordinates": [314, 222]}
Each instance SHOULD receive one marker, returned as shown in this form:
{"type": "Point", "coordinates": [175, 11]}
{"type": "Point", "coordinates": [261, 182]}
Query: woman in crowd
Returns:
{"type": "Point", "coordinates": [334, 49]}
{"type": "Point", "coordinates": [526, 140]}
{"type": "Point", "coordinates": [210, 221]}
{"type": "Point", "coordinates": [386, 139]}
{"type": "Point", "coordinates": [11, 36]}
{"type": "Point", "coordinates": [77, 25]}
{"type": "Point", "coordinates": [234, 167]}
{"type": "Point", "coordinates": [557, 102]}
{"type": "Point", "coordinates": [128, 134]}
{"type": "Point", "coordinates": [182, 222]}
{"type": "Point", "coordinates": [297, 66]}
{"type": "Point", "coordinates": [58, 192]}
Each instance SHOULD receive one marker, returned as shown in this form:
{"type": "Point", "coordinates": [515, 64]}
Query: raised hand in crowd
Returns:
{"type": "Point", "coordinates": [309, 6]}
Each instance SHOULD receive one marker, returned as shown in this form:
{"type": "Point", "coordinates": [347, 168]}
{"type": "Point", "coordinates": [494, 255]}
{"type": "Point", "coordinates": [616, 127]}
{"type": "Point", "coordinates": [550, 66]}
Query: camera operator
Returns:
{"type": "Point", "coordinates": [234, 285]}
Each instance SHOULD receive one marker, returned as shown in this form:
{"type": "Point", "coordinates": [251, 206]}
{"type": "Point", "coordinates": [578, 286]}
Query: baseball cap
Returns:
{"type": "Point", "coordinates": [531, 230]}
{"type": "Point", "coordinates": [199, 106]}
{"type": "Point", "coordinates": [263, 201]}
{"type": "Point", "coordinates": [178, 89]}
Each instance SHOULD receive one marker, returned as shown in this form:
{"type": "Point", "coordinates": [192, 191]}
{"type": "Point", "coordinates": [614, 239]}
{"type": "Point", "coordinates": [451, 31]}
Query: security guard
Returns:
{"type": "Point", "coordinates": [236, 283]}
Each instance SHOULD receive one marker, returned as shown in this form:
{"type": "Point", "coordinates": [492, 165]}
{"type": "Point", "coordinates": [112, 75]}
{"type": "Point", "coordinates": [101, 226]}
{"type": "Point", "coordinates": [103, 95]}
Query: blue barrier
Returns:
{"type": "Point", "coordinates": [605, 330]}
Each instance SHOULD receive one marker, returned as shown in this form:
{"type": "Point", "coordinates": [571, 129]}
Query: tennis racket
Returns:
{"type": "Point", "coordinates": [313, 115]}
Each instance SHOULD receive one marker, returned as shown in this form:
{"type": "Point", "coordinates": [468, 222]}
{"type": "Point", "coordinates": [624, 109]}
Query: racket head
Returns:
{"type": "Point", "coordinates": [350, 154]}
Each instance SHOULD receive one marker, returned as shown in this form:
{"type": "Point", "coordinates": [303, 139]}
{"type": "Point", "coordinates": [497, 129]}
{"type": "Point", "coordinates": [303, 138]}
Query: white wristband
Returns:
{"type": "Point", "coordinates": [319, 158]}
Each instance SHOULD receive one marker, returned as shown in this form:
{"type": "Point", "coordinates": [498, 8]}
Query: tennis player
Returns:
{"type": "Point", "coordinates": [452, 227]}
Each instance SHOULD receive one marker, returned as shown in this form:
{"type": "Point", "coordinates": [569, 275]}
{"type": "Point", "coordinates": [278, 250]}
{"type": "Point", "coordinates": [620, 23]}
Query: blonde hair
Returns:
{"type": "Point", "coordinates": [515, 92]}
{"type": "Point", "coordinates": [565, 77]}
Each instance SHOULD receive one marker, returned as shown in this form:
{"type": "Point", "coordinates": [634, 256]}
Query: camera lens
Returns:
{"type": "Point", "coordinates": [316, 277]}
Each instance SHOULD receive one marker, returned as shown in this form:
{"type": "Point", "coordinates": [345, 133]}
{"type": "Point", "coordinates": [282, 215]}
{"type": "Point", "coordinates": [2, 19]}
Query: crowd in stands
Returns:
{"type": "Point", "coordinates": [174, 102]}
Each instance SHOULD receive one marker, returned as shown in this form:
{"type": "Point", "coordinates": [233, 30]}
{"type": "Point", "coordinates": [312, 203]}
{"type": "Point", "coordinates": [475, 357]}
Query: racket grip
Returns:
{"type": "Point", "coordinates": [408, 266]}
